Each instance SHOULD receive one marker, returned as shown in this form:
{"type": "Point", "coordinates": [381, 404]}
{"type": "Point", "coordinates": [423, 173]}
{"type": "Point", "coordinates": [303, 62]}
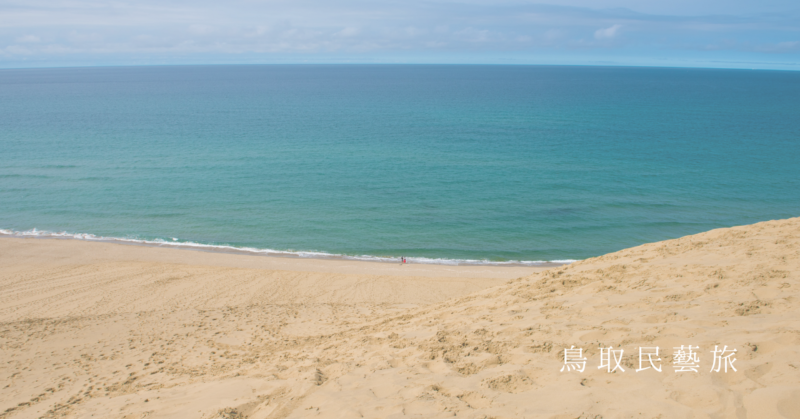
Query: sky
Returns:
{"type": "Point", "coordinates": [762, 34]}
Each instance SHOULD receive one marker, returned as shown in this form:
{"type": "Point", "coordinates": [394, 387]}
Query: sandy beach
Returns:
{"type": "Point", "coordinates": [117, 331]}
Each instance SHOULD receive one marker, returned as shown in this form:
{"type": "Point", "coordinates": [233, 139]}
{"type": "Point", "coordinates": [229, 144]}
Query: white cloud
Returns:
{"type": "Point", "coordinates": [607, 33]}
{"type": "Point", "coordinates": [18, 50]}
{"type": "Point", "coordinates": [201, 29]}
{"type": "Point", "coordinates": [553, 34]}
{"type": "Point", "coordinates": [788, 46]}
{"type": "Point", "coordinates": [28, 39]}
{"type": "Point", "coordinates": [349, 31]}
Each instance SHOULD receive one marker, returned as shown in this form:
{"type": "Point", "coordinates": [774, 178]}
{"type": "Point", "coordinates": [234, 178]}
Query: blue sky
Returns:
{"type": "Point", "coordinates": [683, 33]}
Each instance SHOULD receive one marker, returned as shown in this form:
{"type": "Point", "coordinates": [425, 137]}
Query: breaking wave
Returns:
{"type": "Point", "coordinates": [177, 243]}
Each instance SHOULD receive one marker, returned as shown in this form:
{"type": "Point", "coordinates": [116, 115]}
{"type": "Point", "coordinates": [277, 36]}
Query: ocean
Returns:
{"type": "Point", "coordinates": [440, 164]}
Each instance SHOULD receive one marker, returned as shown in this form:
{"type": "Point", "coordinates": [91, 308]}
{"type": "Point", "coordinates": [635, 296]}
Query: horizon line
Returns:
{"type": "Point", "coordinates": [376, 64]}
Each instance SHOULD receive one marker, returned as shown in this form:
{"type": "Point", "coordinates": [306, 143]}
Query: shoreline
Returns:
{"type": "Point", "coordinates": [227, 249]}
{"type": "Point", "coordinates": [69, 251]}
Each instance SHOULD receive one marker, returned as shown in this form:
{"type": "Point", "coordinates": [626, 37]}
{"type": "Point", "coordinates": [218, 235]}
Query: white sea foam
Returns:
{"type": "Point", "coordinates": [175, 242]}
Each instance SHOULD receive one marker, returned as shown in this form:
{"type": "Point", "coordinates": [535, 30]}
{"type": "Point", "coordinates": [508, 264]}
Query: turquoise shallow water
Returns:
{"type": "Point", "coordinates": [492, 163]}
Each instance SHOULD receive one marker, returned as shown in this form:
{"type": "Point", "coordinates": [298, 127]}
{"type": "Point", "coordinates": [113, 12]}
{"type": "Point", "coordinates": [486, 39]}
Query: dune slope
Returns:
{"type": "Point", "coordinates": [492, 353]}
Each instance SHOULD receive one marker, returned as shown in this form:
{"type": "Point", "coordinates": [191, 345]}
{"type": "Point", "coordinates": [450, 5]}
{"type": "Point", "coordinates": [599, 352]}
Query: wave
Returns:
{"type": "Point", "coordinates": [177, 243]}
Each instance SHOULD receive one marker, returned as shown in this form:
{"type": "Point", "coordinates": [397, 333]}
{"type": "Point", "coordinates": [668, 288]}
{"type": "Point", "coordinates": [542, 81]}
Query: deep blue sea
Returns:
{"type": "Point", "coordinates": [435, 163]}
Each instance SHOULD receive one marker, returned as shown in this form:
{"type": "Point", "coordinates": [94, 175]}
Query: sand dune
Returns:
{"type": "Point", "coordinates": [102, 330]}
